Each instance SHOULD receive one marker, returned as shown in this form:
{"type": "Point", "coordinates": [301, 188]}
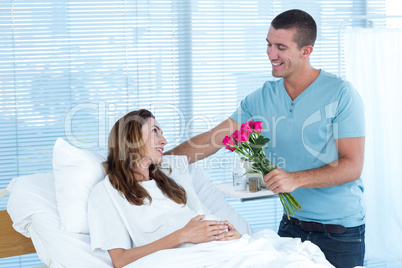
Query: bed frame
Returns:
{"type": "Point", "coordinates": [12, 243]}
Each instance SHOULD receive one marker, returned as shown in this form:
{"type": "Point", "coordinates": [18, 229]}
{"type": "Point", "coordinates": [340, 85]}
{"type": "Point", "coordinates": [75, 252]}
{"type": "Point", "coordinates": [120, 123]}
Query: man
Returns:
{"type": "Point", "coordinates": [315, 121]}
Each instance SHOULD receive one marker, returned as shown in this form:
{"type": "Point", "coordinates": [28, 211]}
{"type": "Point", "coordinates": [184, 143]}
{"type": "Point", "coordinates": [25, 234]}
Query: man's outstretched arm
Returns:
{"type": "Point", "coordinates": [207, 143]}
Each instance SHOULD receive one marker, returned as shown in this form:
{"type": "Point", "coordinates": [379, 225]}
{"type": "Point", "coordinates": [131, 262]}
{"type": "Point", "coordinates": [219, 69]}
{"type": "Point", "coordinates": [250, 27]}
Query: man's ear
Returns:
{"type": "Point", "coordinates": [307, 50]}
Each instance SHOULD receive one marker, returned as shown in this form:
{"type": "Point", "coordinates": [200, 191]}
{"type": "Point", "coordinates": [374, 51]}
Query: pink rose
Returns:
{"type": "Point", "coordinates": [229, 144]}
{"type": "Point", "coordinates": [226, 140]}
{"type": "Point", "coordinates": [244, 135]}
{"type": "Point", "coordinates": [236, 135]}
{"type": "Point", "coordinates": [250, 123]}
{"type": "Point", "coordinates": [246, 127]}
{"type": "Point", "coordinates": [257, 126]}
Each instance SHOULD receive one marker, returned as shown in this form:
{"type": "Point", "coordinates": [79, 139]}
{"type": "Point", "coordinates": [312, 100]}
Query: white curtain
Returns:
{"type": "Point", "coordinates": [373, 62]}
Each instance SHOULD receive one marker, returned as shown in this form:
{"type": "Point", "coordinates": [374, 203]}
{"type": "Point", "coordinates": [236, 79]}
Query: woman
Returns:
{"type": "Point", "coordinates": [154, 208]}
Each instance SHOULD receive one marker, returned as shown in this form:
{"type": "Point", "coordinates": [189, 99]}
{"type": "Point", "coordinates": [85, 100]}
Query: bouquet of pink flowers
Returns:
{"type": "Point", "coordinates": [249, 142]}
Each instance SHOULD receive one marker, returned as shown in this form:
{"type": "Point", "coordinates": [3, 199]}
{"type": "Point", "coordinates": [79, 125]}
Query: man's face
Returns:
{"type": "Point", "coordinates": [283, 52]}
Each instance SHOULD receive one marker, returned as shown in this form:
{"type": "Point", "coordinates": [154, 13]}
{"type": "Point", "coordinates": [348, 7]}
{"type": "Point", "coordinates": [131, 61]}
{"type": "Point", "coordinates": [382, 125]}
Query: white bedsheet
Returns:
{"type": "Point", "coordinates": [262, 249]}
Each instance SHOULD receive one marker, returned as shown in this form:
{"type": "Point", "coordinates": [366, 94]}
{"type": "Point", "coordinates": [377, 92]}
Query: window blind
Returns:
{"type": "Point", "coordinates": [70, 69]}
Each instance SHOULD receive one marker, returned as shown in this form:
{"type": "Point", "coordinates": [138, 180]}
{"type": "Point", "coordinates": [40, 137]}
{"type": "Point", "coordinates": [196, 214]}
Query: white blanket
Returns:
{"type": "Point", "coordinates": [262, 249]}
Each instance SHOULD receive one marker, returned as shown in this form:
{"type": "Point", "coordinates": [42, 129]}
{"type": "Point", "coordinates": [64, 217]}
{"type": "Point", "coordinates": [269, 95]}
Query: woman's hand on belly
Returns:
{"type": "Point", "coordinates": [231, 234]}
{"type": "Point", "coordinates": [198, 231]}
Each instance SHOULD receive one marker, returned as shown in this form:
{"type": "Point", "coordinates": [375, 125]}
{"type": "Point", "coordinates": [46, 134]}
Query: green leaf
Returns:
{"type": "Point", "coordinates": [264, 140]}
{"type": "Point", "coordinates": [261, 141]}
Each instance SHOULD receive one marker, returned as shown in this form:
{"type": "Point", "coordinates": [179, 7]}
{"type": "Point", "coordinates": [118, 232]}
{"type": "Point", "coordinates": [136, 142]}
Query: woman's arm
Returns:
{"type": "Point", "coordinates": [196, 231]}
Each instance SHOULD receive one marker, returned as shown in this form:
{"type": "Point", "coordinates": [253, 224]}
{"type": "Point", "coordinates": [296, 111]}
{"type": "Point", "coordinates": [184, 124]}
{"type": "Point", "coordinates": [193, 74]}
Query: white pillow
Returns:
{"type": "Point", "coordinates": [76, 172]}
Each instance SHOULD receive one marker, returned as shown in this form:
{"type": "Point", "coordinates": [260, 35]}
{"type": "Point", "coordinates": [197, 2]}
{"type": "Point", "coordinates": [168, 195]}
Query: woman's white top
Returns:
{"type": "Point", "coordinates": [115, 223]}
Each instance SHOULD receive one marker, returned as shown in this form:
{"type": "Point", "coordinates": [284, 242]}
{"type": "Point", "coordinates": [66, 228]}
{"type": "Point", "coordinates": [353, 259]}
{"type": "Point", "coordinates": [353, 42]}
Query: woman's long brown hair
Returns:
{"type": "Point", "coordinates": [125, 151]}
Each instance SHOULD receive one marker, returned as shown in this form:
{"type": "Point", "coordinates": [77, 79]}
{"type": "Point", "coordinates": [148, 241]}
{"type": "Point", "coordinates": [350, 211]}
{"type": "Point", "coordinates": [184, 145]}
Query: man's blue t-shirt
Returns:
{"type": "Point", "coordinates": [302, 136]}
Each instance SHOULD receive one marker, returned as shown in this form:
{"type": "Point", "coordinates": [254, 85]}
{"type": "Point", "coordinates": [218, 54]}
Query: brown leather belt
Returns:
{"type": "Point", "coordinates": [310, 226]}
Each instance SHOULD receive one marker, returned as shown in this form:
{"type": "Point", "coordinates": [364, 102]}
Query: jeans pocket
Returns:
{"type": "Point", "coordinates": [352, 235]}
{"type": "Point", "coordinates": [345, 239]}
{"type": "Point", "coordinates": [284, 227]}
{"type": "Point", "coordinates": [345, 250]}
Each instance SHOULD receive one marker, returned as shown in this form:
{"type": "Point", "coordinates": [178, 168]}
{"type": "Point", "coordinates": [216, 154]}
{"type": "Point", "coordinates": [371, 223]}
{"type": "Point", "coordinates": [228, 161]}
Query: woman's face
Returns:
{"type": "Point", "coordinates": [154, 142]}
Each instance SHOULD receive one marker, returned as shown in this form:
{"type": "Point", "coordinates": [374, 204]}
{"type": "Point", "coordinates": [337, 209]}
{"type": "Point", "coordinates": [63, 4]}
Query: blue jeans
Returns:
{"type": "Point", "coordinates": [341, 250]}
